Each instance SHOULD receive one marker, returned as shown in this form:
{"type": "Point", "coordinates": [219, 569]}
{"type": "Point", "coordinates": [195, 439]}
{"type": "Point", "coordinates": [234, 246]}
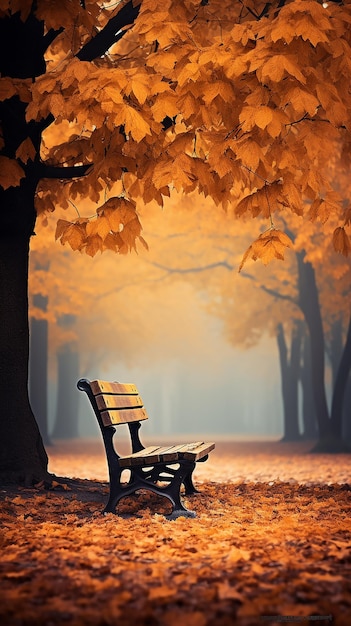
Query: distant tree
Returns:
{"type": "Point", "coordinates": [290, 368]}
{"type": "Point", "coordinates": [66, 418]}
{"type": "Point", "coordinates": [212, 95]}
{"type": "Point", "coordinates": [38, 367]}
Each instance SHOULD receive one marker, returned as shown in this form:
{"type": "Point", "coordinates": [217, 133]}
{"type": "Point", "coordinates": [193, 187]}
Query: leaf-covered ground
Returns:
{"type": "Point", "coordinates": [279, 547]}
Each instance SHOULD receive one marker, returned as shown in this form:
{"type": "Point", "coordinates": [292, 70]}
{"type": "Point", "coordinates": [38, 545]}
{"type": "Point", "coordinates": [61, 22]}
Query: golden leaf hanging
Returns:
{"type": "Point", "coordinates": [268, 246]}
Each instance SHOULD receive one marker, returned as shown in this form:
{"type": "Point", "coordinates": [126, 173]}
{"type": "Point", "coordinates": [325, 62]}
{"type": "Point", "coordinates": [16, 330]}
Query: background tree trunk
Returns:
{"type": "Point", "coordinates": [289, 368]}
{"type": "Point", "coordinates": [340, 386]}
{"type": "Point", "coordinates": [336, 348]}
{"type": "Point", "coordinates": [330, 440]}
{"type": "Point", "coordinates": [66, 420]}
{"type": "Point", "coordinates": [347, 411]}
{"type": "Point", "coordinates": [38, 368]}
{"type": "Point", "coordinates": [310, 430]}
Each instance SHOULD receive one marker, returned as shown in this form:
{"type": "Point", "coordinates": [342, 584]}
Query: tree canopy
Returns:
{"type": "Point", "coordinates": [243, 101]}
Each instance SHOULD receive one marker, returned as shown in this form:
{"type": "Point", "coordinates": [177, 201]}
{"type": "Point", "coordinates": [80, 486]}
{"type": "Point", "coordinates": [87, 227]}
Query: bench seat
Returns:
{"type": "Point", "coordinates": [166, 454]}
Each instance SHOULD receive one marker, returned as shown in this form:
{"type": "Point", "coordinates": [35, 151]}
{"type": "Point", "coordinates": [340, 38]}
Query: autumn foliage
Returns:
{"type": "Point", "coordinates": [244, 102]}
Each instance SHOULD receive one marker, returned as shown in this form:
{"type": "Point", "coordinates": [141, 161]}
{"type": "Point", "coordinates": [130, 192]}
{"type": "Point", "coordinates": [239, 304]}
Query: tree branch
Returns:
{"type": "Point", "coordinates": [228, 266]}
{"type": "Point", "coordinates": [110, 34]}
{"type": "Point", "coordinates": [189, 270]}
{"type": "Point", "coordinates": [271, 292]}
{"type": "Point", "coordinates": [51, 36]}
{"type": "Point", "coordinates": [265, 10]}
{"type": "Point", "coordinates": [51, 171]}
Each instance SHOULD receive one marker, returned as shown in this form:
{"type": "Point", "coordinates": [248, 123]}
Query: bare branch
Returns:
{"type": "Point", "coordinates": [271, 292]}
{"type": "Point", "coordinates": [189, 270]}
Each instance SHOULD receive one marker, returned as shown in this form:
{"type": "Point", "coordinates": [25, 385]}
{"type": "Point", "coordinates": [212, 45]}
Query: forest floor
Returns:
{"type": "Point", "coordinates": [271, 543]}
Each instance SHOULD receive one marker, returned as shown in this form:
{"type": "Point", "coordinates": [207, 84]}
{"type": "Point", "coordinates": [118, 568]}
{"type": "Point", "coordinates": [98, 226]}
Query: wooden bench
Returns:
{"type": "Point", "coordinates": [161, 469]}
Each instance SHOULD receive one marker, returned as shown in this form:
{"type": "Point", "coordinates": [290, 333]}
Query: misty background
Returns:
{"type": "Point", "coordinates": [198, 341]}
{"type": "Point", "coordinates": [219, 391]}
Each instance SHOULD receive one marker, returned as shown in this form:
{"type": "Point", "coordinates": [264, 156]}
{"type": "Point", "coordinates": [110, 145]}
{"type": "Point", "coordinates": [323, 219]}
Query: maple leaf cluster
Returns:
{"type": "Point", "coordinates": [116, 227]}
{"type": "Point", "coordinates": [244, 102]}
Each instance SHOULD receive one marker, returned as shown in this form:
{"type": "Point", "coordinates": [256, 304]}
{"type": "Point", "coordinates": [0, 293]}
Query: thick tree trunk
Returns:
{"type": "Point", "coordinates": [330, 440]}
{"type": "Point", "coordinates": [289, 369]}
{"type": "Point", "coordinates": [22, 454]}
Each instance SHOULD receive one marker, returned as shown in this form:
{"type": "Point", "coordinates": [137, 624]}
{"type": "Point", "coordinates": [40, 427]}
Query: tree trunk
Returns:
{"type": "Point", "coordinates": [22, 454]}
{"type": "Point", "coordinates": [289, 369]}
{"type": "Point", "coordinates": [347, 411]}
{"type": "Point", "coordinates": [329, 440]}
{"type": "Point", "coordinates": [340, 386]}
{"type": "Point", "coordinates": [310, 430]}
{"type": "Point", "coordinates": [38, 368]}
{"type": "Point", "coordinates": [66, 421]}
{"type": "Point", "coordinates": [336, 348]}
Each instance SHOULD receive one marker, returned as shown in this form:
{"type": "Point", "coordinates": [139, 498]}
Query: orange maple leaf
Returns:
{"type": "Point", "coordinates": [269, 245]}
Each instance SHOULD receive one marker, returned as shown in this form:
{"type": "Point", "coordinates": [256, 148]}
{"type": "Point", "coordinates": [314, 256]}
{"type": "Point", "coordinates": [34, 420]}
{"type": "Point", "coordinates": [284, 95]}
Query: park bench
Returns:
{"type": "Point", "coordinates": [160, 469]}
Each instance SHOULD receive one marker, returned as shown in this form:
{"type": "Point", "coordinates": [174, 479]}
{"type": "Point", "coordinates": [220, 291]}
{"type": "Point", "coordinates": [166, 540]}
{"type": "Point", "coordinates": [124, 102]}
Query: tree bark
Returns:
{"type": "Point", "coordinates": [22, 454]}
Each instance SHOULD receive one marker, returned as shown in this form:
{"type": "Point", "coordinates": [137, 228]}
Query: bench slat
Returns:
{"type": "Point", "coordinates": [103, 386]}
{"type": "Point", "coordinates": [139, 458]}
{"type": "Point", "coordinates": [118, 402]}
{"type": "Point", "coordinates": [167, 454]}
{"type": "Point", "coordinates": [120, 416]}
{"type": "Point", "coordinates": [198, 452]}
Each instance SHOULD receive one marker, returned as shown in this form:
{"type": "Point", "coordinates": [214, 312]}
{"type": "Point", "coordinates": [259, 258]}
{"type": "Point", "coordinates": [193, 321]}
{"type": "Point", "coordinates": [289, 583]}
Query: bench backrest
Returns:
{"type": "Point", "coordinates": [118, 403]}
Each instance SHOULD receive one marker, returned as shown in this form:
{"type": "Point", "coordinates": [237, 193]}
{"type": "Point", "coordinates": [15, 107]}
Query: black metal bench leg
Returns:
{"type": "Point", "coordinates": [173, 491]}
{"type": "Point", "coordinates": [114, 497]}
{"type": "Point", "coordinates": [190, 488]}
{"type": "Point", "coordinates": [179, 510]}
{"type": "Point", "coordinates": [117, 491]}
